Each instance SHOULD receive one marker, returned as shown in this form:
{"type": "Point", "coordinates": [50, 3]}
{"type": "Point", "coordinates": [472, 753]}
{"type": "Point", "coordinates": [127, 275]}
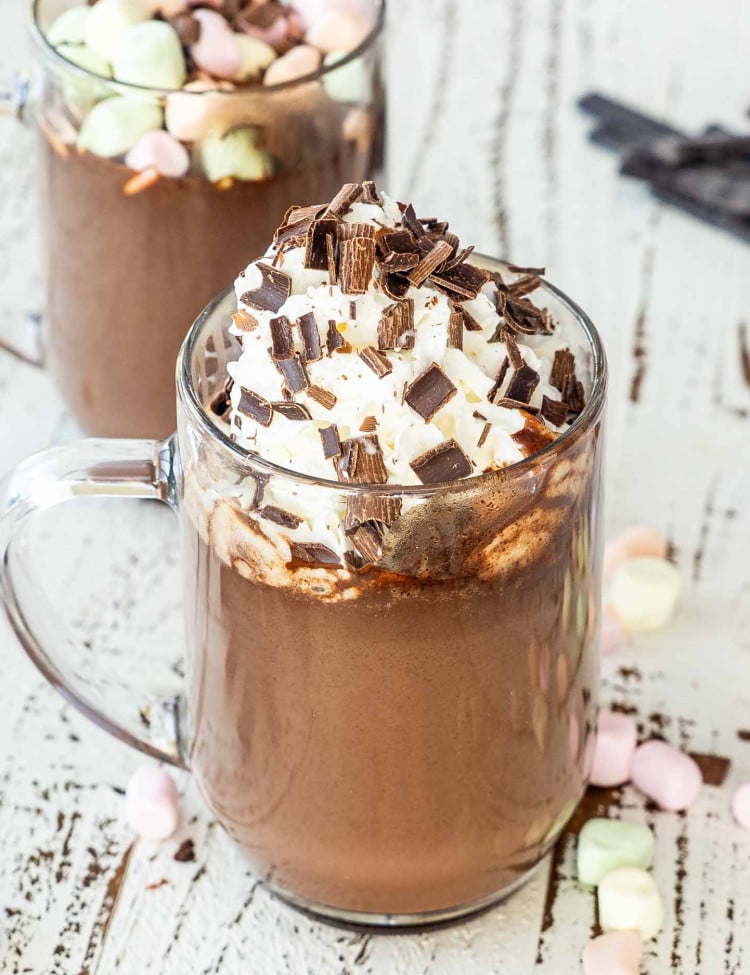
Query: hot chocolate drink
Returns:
{"type": "Point", "coordinates": [392, 660]}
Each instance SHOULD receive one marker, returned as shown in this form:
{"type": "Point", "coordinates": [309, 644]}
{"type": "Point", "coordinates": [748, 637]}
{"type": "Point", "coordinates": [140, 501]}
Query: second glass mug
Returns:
{"type": "Point", "coordinates": [394, 746]}
{"type": "Point", "coordinates": [130, 261]}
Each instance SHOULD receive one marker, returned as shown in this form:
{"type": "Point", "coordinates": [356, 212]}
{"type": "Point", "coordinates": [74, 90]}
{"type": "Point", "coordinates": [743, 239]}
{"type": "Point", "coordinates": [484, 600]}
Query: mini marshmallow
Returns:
{"type": "Point", "coordinates": [644, 592]}
{"type": "Point", "coordinates": [69, 27]}
{"type": "Point", "coordinates": [160, 151]}
{"type": "Point", "coordinates": [665, 774]}
{"type": "Point", "coordinates": [612, 634]}
{"type": "Point", "coordinates": [340, 29]}
{"type": "Point", "coordinates": [235, 155]}
{"type": "Point", "coordinates": [607, 844]}
{"type": "Point", "coordinates": [616, 739]}
{"type": "Point", "coordinates": [351, 82]}
{"type": "Point", "coordinates": [255, 57]}
{"type": "Point", "coordinates": [201, 110]}
{"type": "Point", "coordinates": [108, 19]}
{"type": "Point", "coordinates": [152, 803]}
{"type": "Point", "coordinates": [115, 125]}
{"type": "Point", "coordinates": [150, 55]}
{"type": "Point", "coordinates": [741, 805]}
{"type": "Point", "coordinates": [81, 93]}
{"type": "Point", "coordinates": [629, 901]}
{"type": "Point", "coordinates": [616, 953]}
{"type": "Point", "coordinates": [85, 58]}
{"type": "Point", "coordinates": [633, 543]}
{"type": "Point", "coordinates": [217, 50]}
{"type": "Point", "coordinates": [297, 63]}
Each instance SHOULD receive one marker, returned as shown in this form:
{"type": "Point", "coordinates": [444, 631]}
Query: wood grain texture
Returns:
{"type": "Point", "coordinates": [483, 128]}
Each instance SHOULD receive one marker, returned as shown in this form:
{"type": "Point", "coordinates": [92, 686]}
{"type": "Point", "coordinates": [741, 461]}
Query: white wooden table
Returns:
{"type": "Point", "coordinates": [483, 128]}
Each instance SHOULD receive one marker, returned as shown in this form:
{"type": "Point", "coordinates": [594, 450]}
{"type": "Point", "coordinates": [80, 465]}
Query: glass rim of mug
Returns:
{"type": "Point", "coordinates": [127, 88]}
{"type": "Point", "coordinates": [202, 419]}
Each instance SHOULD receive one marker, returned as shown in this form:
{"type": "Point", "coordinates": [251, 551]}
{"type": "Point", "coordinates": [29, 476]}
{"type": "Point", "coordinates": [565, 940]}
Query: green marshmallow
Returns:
{"type": "Point", "coordinates": [85, 58]}
{"type": "Point", "coordinates": [608, 844]}
{"type": "Point", "coordinates": [69, 27]}
{"type": "Point", "coordinates": [108, 19]}
{"type": "Point", "coordinates": [352, 82]}
{"type": "Point", "coordinates": [235, 155]}
{"type": "Point", "coordinates": [81, 93]}
{"type": "Point", "coordinates": [116, 124]}
{"type": "Point", "coordinates": [149, 54]}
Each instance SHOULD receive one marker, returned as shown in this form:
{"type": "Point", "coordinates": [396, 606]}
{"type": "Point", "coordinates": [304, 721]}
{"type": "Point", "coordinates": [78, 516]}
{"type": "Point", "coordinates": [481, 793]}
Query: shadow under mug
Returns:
{"type": "Point", "coordinates": [398, 745]}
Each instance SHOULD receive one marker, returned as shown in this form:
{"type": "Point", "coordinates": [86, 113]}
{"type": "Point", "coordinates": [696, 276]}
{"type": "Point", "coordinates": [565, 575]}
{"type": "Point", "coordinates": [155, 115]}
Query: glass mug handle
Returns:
{"type": "Point", "coordinates": [83, 468]}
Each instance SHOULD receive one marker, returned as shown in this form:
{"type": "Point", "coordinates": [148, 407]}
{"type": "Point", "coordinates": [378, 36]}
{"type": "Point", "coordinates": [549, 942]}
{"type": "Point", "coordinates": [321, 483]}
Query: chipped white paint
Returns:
{"type": "Point", "coordinates": [492, 101]}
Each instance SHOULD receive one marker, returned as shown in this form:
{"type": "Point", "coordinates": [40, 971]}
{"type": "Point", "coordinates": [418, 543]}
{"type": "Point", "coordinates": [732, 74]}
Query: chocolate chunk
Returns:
{"type": "Point", "coordinates": [456, 329]}
{"type": "Point", "coordinates": [396, 326]}
{"type": "Point", "coordinates": [394, 261]}
{"type": "Point", "coordinates": [522, 384]}
{"type": "Point", "coordinates": [360, 508]}
{"type": "Point", "coordinates": [370, 193]}
{"type": "Point", "coordinates": [465, 280]}
{"type": "Point", "coordinates": [187, 28]}
{"type": "Point", "coordinates": [429, 392]}
{"type": "Point", "coordinates": [334, 339]}
{"type": "Point", "coordinates": [256, 407]}
{"type": "Point", "coordinates": [361, 461]}
{"type": "Point", "coordinates": [397, 242]}
{"type": "Point", "coordinates": [341, 204]}
{"type": "Point", "coordinates": [555, 411]}
{"type": "Point", "coordinates": [499, 379]}
{"type": "Point", "coordinates": [349, 231]}
{"type": "Point", "coordinates": [292, 411]}
{"type": "Point", "coordinates": [316, 246]}
{"type": "Point", "coordinates": [368, 425]}
{"type": "Point", "coordinates": [275, 288]}
{"type": "Point", "coordinates": [394, 285]}
{"type": "Point", "coordinates": [563, 365]}
{"type": "Point", "coordinates": [368, 537]}
{"type": "Point", "coordinates": [446, 462]}
{"type": "Point", "coordinates": [312, 555]}
{"type": "Point", "coordinates": [244, 321]}
{"type": "Point", "coordinates": [294, 372]}
{"type": "Point", "coordinates": [356, 261]}
{"type": "Point", "coordinates": [573, 394]}
{"type": "Point", "coordinates": [459, 256]}
{"type": "Point", "coordinates": [329, 437]}
{"type": "Point", "coordinates": [470, 323]}
{"type": "Point", "coordinates": [511, 347]}
{"type": "Point", "coordinates": [308, 330]}
{"type": "Point", "coordinates": [296, 224]}
{"type": "Point", "coordinates": [185, 852]}
{"type": "Point", "coordinates": [284, 518]}
{"type": "Point", "coordinates": [521, 316]}
{"type": "Point", "coordinates": [282, 341]}
{"type": "Point", "coordinates": [322, 396]}
{"type": "Point", "coordinates": [409, 220]}
{"type": "Point", "coordinates": [484, 434]}
{"type": "Point", "coordinates": [379, 363]}
{"type": "Point", "coordinates": [437, 256]}
{"type": "Point", "coordinates": [714, 768]}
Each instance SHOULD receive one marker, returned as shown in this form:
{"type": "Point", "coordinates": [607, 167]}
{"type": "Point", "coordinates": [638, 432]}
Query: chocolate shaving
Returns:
{"type": "Point", "coordinates": [282, 341]}
{"type": "Point", "coordinates": [329, 437]}
{"type": "Point", "coordinates": [280, 517]}
{"type": "Point", "coordinates": [563, 366]}
{"type": "Point", "coordinates": [573, 394]}
{"type": "Point", "coordinates": [395, 286]}
{"type": "Point", "coordinates": [360, 508]}
{"type": "Point", "coordinates": [456, 329]}
{"type": "Point", "coordinates": [459, 256]}
{"type": "Point", "coordinates": [275, 288]}
{"type": "Point", "coordinates": [517, 269]}
{"type": "Point", "coordinates": [292, 411]}
{"type": "Point", "coordinates": [187, 27]}
{"type": "Point", "coordinates": [308, 330]}
{"type": "Point", "coordinates": [470, 323]}
{"type": "Point", "coordinates": [522, 316]}
{"type": "Point", "coordinates": [511, 348]}
{"type": "Point", "coordinates": [244, 321]}
{"type": "Point", "coordinates": [294, 372]}
{"type": "Point", "coordinates": [221, 404]}
{"type": "Point", "coordinates": [341, 204]}
{"type": "Point", "coordinates": [256, 407]}
{"type": "Point", "coordinates": [349, 231]}
{"type": "Point", "coordinates": [331, 258]}
{"type": "Point", "coordinates": [334, 340]}
{"type": "Point", "coordinates": [368, 425]}
{"type": "Point", "coordinates": [296, 223]}
{"type": "Point", "coordinates": [396, 326]}
{"type": "Point", "coordinates": [524, 286]}
{"type": "Point", "coordinates": [396, 242]}
{"type": "Point", "coordinates": [312, 555]}
{"type": "Point", "coordinates": [478, 416]}
{"type": "Point", "coordinates": [554, 411]}
{"type": "Point", "coordinates": [356, 262]}
{"type": "Point", "coordinates": [465, 280]}
{"type": "Point", "coordinates": [516, 404]}
{"type": "Point", "coordinates": [185, 852]}
{"type": "Point", "coordinates": [368, 537]}
{"type": "Point", "coordinates": [522, 384]}
{"type": "Point", "coordinates": [446, 462]}
{"type": "Point", "coordinates": [499, 379]}
{"type": "Point", "coordinates": [322, 396]}
{"type": "Point", "coordinates": [353, 310]}
{"type": "Point", "coordinates": [316, 246]}
{"type": "Point", "coordinates": [370, 193]}
{"type": "Point", "coordinates": [379, 363]}
{"type": "Point", "coordinates": [396, 261]}
{"type": "Point", "coordinates": [409, 219]}
{"type": "Point", "coordinates": [484, 434]}
{"type": "Point", "coordinates": [361, 461]}
{"type": "Point", "coordinates": [437, 255]}
{"type": "Point", "coordinates": [430, 391]}
{"type": "Point", "coordinates": [354, 560]}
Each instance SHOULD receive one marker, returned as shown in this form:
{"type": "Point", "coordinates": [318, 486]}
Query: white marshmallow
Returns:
{"type": "Point", "coordinates": [69, 27]}
{"type": "Point", "coordinates": [116, 124]}
{"type": "Point", "coordinates": [108, 19]}
{"type": "Point", "coordinates": [150, 55]}
{"type": "Point", "coordinates": [630, 901]}
{"type": "Point", "coordinates": [644, 593]}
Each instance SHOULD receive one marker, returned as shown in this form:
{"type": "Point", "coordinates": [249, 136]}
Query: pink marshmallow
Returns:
{"type": "Point", "coordinates": [152, 803]}
{"type": "Point", "coordinates": [340, 29]}
{"type": "Point", "coordinates": [665, 774]}
{"type": "Point", "coordinates": [615, 953]}
{"type": "Point", "coordinates": [217, 50]}
{"type": "Point", "coordinates": [613, 635]}
{"type": "Point", "coordinates": [633, 543]}
{"type": "Point", "coordinates": [306, 12]}
{"type": "Point", "coordinates": [741, 805]}
{"type": "Point", "coordinates": [160, 150]}
{"type": "Point", "coordinates": [297, 63]}
{"type": "Point", "coordinates": [616, 739]}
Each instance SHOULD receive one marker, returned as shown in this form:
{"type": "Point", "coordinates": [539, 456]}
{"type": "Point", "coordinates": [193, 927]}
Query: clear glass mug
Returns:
{"type": "Point", "coordinates": [391, 746]}
{"type": "Point", "coordinates": [130, 259]}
